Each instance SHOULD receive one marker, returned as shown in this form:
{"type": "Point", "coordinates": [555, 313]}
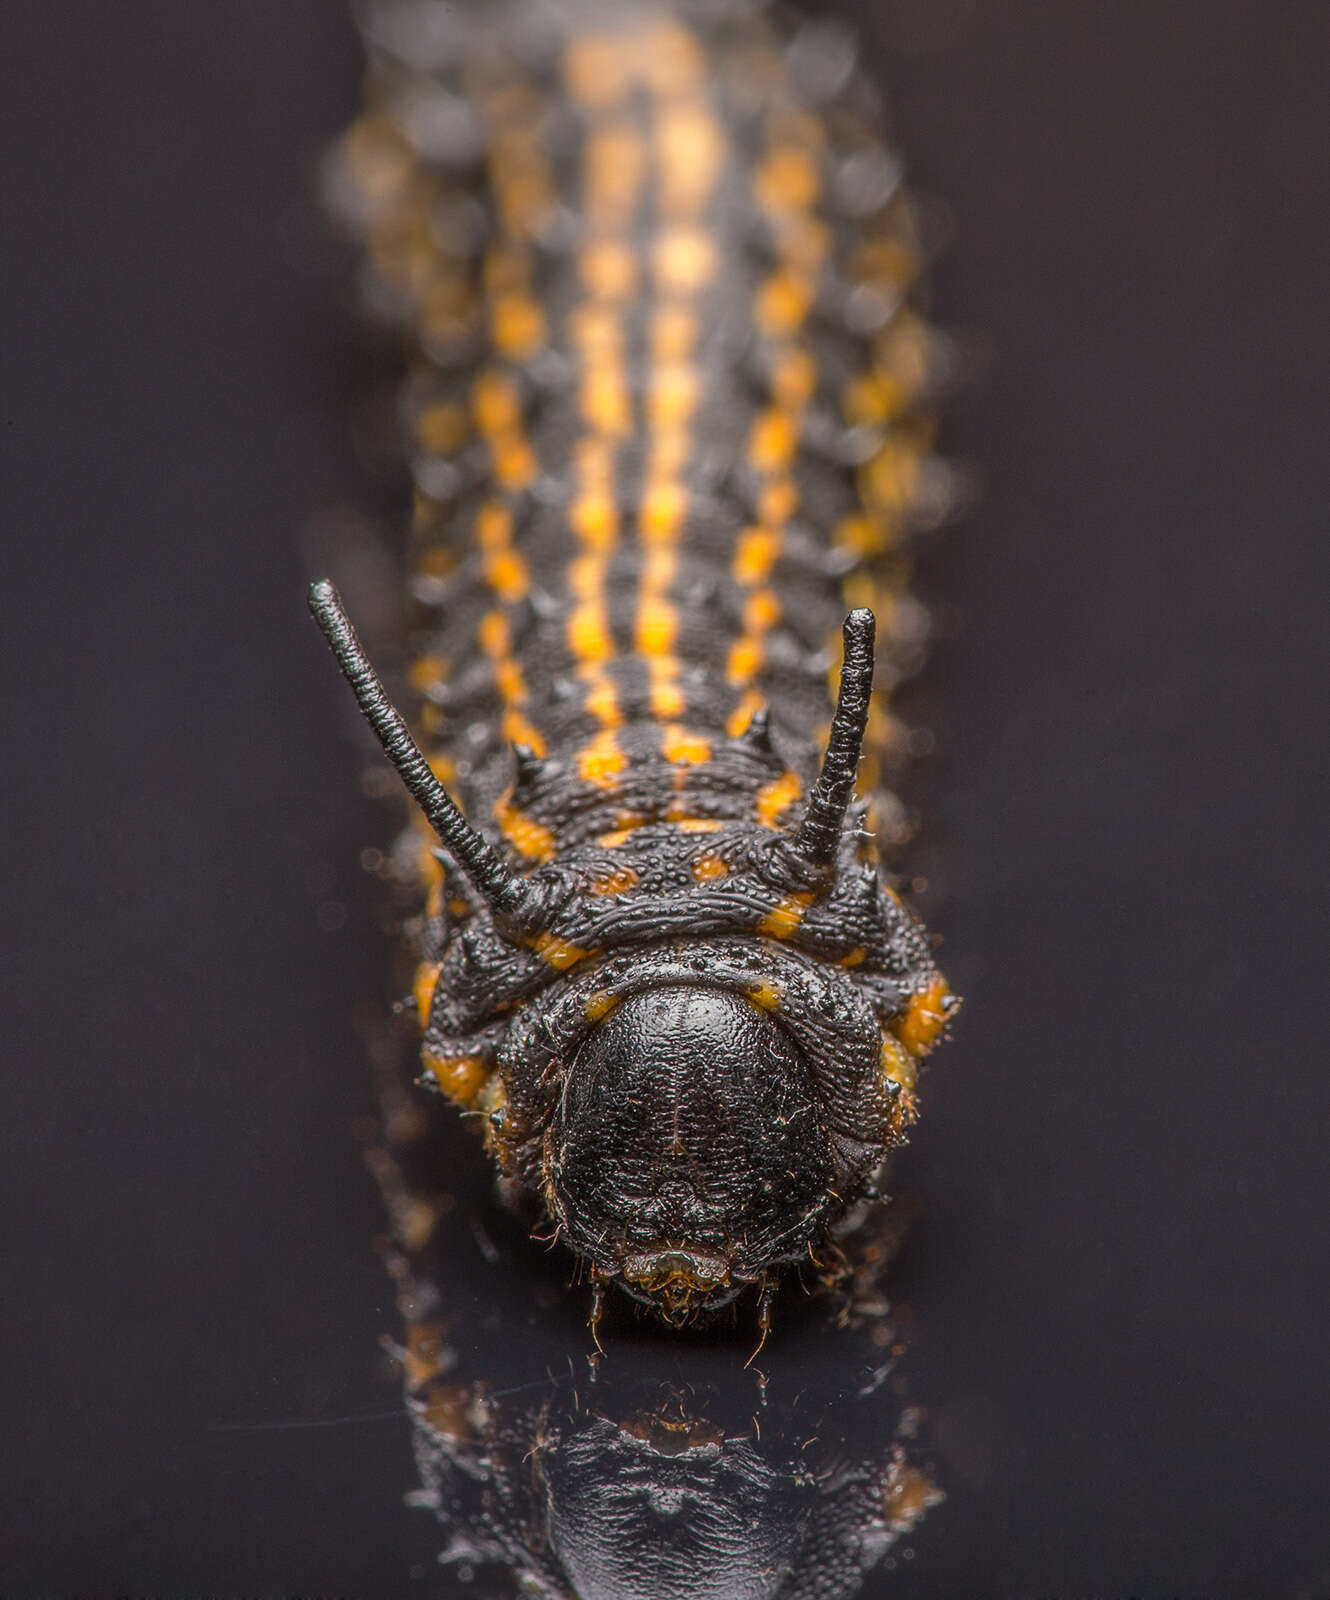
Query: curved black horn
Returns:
{"type": "Point", "coordinates": [501, 888]}
{"type": "Point", "coordinates": [819, 833]}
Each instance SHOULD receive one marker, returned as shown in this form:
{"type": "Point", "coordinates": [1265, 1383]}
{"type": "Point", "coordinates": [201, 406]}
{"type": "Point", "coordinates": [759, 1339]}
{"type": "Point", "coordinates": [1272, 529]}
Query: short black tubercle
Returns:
{"type": "Point", "coordinates": [695, 1033]}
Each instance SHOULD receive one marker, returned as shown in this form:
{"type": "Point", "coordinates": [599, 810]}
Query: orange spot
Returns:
{"type": "Point", "coordinates": [861, 535]}
{"type": "Point", "coordinates": [667, 697]}
{"type": "Point", "coordinates": [507, 575]}
{"type": "Point", "coordinates": [618, 880]}
{"type": "Point", "coordinates": [684, 260]}
{"type": "Point", "coordinates": [775, 798]}
{"type": "Point", "coordinates": [618, 836]}
{"type": "Point", "coordinates": [514, 463]}
{"type": "Point", "coordinates": [559, 953]}
{"type": "Point", "coordinates": [890, 481]}
{"type": "Point", "coordinates": [595, 519]}
{"type": "Point", "coordinates": [897, 1063]}
{"type": "Point", "coordinates": [761, 610]}
{"type": "Point", "coordinates": [604, 400]}
{"type": "Point", "coordinates": [784, 918]}
{"type": "Point", "coordinates": [744, 660]}
{"type": "Point", "coordinates": [773, 441]}
{"type": "Point", "coordinates": [597, 331]}
{"type": "Point", "coordinates": [597, 70]}
{"type": "Point", "coordinates": [527, 836]}
{"type": "Point", "coordinates": [783, 302]}
{"type": "Point", "coordinates": [495, 639]}
{"type": "Point", "coordinates": [495, 402]}
{"type": "Point", "coordinates": [749, 702]}
{"type": "Point", "coordinates": [766, 995]}
{"type": "Point", "coordinates": [924, 1019]}
{"type": "Point", "coordinates": [425, 671]}
{"type": "Point", "coordinates": [787, 179]}
{"type": "Point", "coordinates": [446, 1411]}
{"type": "Point", "coordinates": [794, 377]}
{"type": "Point", "coordinates": [425, 1353]}
{"type": "Point", "coordinates": [441, 429]}
{"type": "Point", "coordinates": [600, 1005]}
{"type": "Point", "coordinates": [709, 867]}
{"type": "Point", "coordinates": [460, 1077]}
{"type": "Point", "coordinates": [602, 703]}
{"type": "Point", "coordinates": [588, 637]}
{"type": "Point", "coordinates": [655, 626]}
{"type": "Point", "coordinates": [672, 395]}
{"type": "Point", "coordinates": [517, 326]}
{"type": "Point", "coordinates": [609, 269]}
{"type": "Point", "coordinates": [434, 561]}
{"type": "Point", "coordinates": [855, 957]}
{"type": "Point", "coordinates": [663, 506]}
{"type": "Point", "coordinates": [601, 761]}
{"type": "Point", "coordinates": [427, 975]}
{"type": "Point", "coordinates": [677, 744]}
{"type": "Point", "coordinates": [673, 333]}
{"type": "Point", "coordinates": [690, 149]}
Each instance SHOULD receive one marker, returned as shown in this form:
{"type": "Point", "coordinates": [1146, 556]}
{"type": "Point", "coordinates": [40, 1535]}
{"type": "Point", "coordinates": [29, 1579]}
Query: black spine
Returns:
{"type": "Point", "coordinates": [504, 891]}
{"type": "Point", "coordinates": [819, 833]}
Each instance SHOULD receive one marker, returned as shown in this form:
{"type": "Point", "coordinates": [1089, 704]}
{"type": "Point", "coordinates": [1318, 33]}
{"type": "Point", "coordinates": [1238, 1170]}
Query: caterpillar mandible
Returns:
{"type": "Point", "coordinates": [668, 413]}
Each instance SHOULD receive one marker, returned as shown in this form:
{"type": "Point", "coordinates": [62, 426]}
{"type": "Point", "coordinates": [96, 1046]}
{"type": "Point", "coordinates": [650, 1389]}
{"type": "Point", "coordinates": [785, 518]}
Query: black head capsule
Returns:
{"type": "Point", "coordinates": [687, 1139]}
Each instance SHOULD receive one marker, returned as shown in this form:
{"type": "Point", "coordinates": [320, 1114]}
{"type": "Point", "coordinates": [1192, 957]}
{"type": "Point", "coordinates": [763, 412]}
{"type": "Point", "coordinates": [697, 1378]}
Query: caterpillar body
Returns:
{"type": "Point", "coordinates": [668, 416]}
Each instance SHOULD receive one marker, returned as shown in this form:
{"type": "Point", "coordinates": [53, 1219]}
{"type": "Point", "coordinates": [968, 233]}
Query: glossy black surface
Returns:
{"type": "Point", "coordinates": [1114, 1287]}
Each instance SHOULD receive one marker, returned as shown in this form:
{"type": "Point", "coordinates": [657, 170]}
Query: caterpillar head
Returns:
{"type": "Point", "coordinates": [686, 1139]}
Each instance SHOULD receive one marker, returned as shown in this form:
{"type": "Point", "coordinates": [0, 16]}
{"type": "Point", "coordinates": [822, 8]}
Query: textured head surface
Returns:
{"type": "Point", "coordinates": [687, 1142]}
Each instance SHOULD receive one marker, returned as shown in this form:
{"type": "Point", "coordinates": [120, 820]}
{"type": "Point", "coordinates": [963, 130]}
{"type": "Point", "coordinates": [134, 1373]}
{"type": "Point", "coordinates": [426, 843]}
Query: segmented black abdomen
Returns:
{"type": "Point", "coordinates": [667, 422]}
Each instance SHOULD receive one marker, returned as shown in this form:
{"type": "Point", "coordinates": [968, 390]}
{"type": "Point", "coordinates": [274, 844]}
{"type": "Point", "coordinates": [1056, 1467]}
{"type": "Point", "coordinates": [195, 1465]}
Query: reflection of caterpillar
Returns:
{"type": "Point", "coordinates": [666, 411]}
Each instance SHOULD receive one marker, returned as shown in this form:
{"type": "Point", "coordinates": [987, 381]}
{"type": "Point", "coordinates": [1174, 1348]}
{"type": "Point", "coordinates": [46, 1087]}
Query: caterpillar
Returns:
{"type": "Point", "coordinates": [667, 407]}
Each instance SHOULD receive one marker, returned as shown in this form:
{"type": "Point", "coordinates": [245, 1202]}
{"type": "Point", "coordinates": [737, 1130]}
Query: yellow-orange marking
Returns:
{"type": "Point", "coordinates": [597, 70]}
{"type": "Point", "coordinates": [786, 186]}
{"type": "Point", "coordinates": [897, 1062]}
{"type": "Point", "coordinates": [494, 636]}
{"type": "Point", "coordinates": [442, 428]}
{"type": "Point", "coordinates": [855, 957]}
{"type": "Point", "coordinates": [694, 824]}
{"type": "Point", "coordinates": [707, 868]}
{"type": "Point", "coordinates": [766, 995]}
{"type": "Point", "coordinates": [601, 760]}
{"type": "Point", "coordinates": [460, 1077]}
{"type": "Point", "coordinates": [427, 975]}
{"type": "Point", "coordinates": [499, 420]}
{"type": "Point", "coordinates": [618, 880]}
{"type": "Point", "coordinates": [749, 703]}
{"type": "Point", "coordinates": [677, 744]}
{"type": "Point", "coordinates": [505, 570]}
{"type": "Point", "coordinates": [781, 921]}
{"type": "Point", "coordinates": [687, 148]}
{"type": "Point", "coordinates": [559, 953]}
{"type": "Point", "coordinates": [776, 797]}
{"type": "Point", "coordinates": [924, 1019]}
{"type": "Point", "coordinates": [527, 836]}
{"type": "Point", "coordinates": [425, 1353]}
{"type": "Point", "coordinates": [600, 1005]}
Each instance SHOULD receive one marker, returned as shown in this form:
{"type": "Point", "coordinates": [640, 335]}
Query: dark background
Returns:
{"type": "Point", "coordinates": [1119, 1283]}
